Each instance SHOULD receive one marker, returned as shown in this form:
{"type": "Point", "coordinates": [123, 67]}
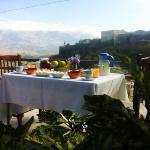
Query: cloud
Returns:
{"type": "Point", "coordinates": [40, 26]}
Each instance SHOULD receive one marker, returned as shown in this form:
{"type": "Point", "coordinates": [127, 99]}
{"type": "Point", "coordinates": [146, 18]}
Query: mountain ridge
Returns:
{"type": "Point", "coordinates": [36, 43]}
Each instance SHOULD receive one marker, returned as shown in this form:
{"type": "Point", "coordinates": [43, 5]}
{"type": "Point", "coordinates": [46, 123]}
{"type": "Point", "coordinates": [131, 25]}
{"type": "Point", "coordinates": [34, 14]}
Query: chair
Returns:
{"type": "Point", "coordinates": [8, 63]}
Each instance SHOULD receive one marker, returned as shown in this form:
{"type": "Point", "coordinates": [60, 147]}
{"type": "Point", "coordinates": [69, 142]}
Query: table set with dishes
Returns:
{"type": "Point", "coordinates": [57, 90]}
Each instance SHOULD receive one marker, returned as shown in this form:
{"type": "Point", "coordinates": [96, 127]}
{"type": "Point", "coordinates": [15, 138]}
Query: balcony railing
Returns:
{"type": "Point", "coordinates": [83, 63]}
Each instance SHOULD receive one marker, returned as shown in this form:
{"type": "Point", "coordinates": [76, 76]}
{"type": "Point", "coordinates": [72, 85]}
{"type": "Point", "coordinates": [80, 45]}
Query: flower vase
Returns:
{"type": "Point", "coordinates": [75, 67]}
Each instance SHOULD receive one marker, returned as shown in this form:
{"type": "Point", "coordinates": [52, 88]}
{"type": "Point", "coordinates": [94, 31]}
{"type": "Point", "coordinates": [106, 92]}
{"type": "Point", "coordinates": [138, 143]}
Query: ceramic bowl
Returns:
{"type": "Point", "coordinates": [31, 71]}
{"type": "Point", "coordinates": [73, 74]}
{"type": "Point", "coordinates": [43, 73]}
{"type": "Point", "coordinates": [57, 74]}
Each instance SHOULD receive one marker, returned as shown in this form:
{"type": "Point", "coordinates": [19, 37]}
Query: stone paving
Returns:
{"type": "Point", "coordinates": [26, 117]}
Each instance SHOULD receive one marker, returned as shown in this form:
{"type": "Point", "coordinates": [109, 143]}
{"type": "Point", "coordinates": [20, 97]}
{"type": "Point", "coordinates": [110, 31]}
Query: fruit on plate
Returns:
{"type": "Point", "coordinates": [44, 64]}
{"type": "Point", "coordinates": [31, 66]}
{"type": "Point", "coordinates": [43, 72]}
{"type": "Point", "coordinates": [57, 74]}
{"type": "Point", "coordinates": [54, 63]}
{"type": "Point", "coordinates": [62, 63]}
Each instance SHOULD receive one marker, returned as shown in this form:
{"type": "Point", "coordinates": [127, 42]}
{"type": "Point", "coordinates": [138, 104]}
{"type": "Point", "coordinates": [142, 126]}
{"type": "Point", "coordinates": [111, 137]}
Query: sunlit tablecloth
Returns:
{"type": "Point", "coordinates": [14, 108]}
{"type": "Point", "coordinates": [59, 94]}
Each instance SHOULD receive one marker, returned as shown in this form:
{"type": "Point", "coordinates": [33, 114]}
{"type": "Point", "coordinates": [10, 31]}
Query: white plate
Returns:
{"type": "Point", "coordinates": [42, 75]}
{"type": "Point", "coordinates": [15, 72]}
{"type": "Point", "coordinates": [90, 79]}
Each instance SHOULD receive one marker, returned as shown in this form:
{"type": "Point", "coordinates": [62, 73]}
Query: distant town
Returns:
{"type": "Point", "coordinates": [118, 36]}
{"type": "Point", "coordinates": [40, 44]}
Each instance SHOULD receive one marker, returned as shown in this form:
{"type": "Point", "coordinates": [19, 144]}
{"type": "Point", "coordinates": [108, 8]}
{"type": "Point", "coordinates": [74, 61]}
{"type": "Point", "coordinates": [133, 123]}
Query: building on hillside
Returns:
{"type": "Point", "coordinates": [111, 35]}
{"type": "Point", "coordinates": [85, 41]}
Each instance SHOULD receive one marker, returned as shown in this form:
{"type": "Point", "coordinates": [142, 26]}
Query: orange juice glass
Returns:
{"type": "Point", "coordinates": [96, 72]}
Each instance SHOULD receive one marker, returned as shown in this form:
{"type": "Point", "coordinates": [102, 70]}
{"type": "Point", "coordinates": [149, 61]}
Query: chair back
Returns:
{"type": "Point", "coordinates": [8, 63]}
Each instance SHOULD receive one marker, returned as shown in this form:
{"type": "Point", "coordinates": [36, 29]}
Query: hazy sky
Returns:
{"type": "Point", "coordinates": [91, 16]}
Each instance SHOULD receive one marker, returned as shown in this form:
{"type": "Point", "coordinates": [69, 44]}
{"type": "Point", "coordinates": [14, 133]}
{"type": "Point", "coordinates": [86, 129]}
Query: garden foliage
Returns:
{"type": "Point", "coordinates": [109, 126]}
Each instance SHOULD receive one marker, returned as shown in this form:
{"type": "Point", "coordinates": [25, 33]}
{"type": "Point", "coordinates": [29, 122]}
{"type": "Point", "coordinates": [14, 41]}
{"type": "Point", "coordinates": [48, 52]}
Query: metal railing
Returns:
{"type": "Point", "coordinates": [83, 63]}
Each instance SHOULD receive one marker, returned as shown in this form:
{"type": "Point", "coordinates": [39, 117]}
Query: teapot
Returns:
{"type": "Point", "coordinates": [105, 61]}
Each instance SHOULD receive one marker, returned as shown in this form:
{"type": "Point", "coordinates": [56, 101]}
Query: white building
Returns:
{"type": "Point", "coordinates": [111, 35]}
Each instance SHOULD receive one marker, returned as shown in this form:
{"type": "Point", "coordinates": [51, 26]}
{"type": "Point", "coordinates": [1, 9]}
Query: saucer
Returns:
{"type": "Point", "coordinates": [88, 79]}
{"type": "Point", "coordinates": [42, 75]}
{"type": "Point", "coordinates": [15, 72]}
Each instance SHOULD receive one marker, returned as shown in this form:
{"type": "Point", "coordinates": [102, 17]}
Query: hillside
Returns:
{"type": "Point", "coordinates": [36, 43]}
{"type": "Point", "coordinates": [131, 44]}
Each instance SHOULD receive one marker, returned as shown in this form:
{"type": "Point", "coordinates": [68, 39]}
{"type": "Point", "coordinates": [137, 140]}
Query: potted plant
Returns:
{"type": "Point", "coordinates": [74, 72]}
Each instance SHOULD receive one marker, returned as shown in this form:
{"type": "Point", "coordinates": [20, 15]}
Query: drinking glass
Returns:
{"type": "Point", "coordinates": [96, 71]}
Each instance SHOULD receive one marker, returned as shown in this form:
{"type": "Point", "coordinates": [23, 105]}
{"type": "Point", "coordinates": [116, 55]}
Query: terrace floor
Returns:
{"type": "Point", "coordinates": [26, 117]}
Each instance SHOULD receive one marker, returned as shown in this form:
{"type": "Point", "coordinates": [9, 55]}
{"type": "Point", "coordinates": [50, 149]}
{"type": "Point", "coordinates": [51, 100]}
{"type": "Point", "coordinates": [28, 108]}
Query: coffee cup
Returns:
{"type": "Point", "coordinates": [19, 68]}
{"type": "Point", "coordinates": [88, 73]}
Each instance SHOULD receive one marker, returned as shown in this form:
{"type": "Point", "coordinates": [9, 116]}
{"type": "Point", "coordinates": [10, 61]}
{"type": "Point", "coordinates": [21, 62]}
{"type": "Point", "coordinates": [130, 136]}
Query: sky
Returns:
{"type": "Point", "coordinates": [89, 16]}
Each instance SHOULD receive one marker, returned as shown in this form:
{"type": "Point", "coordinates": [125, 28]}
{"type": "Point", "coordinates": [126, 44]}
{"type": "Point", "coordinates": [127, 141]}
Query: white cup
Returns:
{"type": "Point", "coordinates": [19, 68]}
{"type": "Point", "coordinates": [88, 73]}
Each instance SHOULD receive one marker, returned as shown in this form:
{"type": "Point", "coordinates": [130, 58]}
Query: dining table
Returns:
{"type": "Point", "coordinates": [57, 94]}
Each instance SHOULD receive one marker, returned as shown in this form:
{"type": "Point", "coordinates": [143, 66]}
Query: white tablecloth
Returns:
{"type": "Point", "coordinates": [59, 94]}
{"type": "Point", "coordinates": [13, 108]}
